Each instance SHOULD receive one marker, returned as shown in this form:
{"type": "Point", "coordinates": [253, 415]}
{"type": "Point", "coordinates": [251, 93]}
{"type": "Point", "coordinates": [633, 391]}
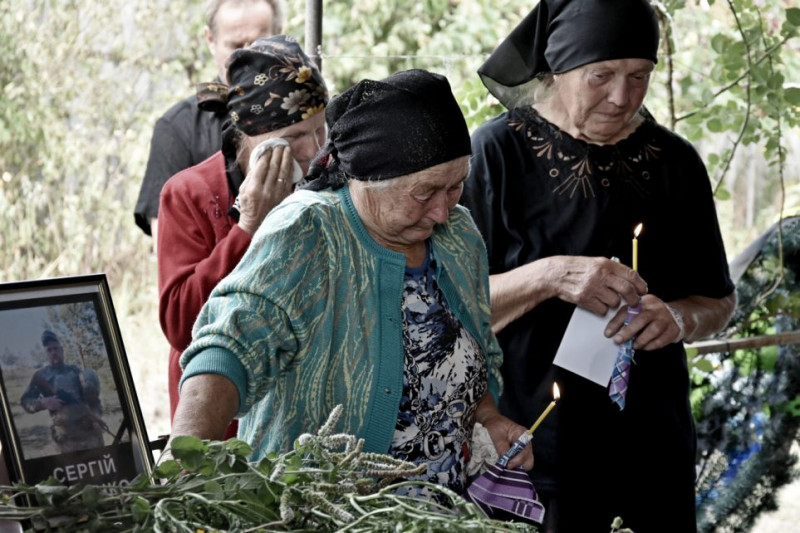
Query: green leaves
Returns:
{"type": "Point", "coordinates": [728, 77]}
{"type": "Point", "coordinates": [168, 470]}
{"type": "Point", "coordinates": [793, 407]}
{"type": "Point", "coordinates": [140, 509]}
{"type": "Point", "coordinates": [793, 16]}
{"type": "Point", "coordinates": [192, 454]}
{"type": "Point", "coordinates": [324, 484]}
{"type": "Point", "coordinates": [792, 96]}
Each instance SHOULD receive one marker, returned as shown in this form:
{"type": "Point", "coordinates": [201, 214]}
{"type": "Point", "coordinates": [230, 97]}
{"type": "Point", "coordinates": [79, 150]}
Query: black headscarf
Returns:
{"type": "Point", "coordinates": [560, 35]}
{"type": "Point", "coordinates": [402, 124]}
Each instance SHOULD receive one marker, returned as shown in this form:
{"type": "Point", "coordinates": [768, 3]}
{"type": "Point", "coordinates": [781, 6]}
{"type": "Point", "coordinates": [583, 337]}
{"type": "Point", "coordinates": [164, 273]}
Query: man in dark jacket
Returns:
{"type": "Point", "coordinates": [186, 134]}
{"type": "Point", "coordinates": [70, 395]}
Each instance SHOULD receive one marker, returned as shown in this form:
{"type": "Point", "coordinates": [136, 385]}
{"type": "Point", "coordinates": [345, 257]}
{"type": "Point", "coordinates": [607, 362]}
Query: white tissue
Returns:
{"type": "Point", "coordinates": [269, 144]}
{"type": "Point", "coordinates": [484, 454]}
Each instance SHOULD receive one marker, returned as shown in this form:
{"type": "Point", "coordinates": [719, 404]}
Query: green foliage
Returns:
{"type": "Point", "coordinates": [742, 97]}
{"type": "Point", "coordinates": [372, 39]}
{"type": "Point", "coordinates": [476, 104]}
{"type": "Point", "coordinates": [79, 99]}
{"type": "Point", "coordinates": [326, 483]}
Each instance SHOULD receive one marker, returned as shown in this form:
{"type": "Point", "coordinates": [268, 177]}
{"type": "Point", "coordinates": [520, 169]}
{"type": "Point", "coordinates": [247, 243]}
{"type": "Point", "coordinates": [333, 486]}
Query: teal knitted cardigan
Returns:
{"type": "Point", "coordinates": [311, 318]}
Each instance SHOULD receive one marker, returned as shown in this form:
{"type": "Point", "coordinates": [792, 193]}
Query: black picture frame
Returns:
{"type": "Point", "coordinates": [96, 434]}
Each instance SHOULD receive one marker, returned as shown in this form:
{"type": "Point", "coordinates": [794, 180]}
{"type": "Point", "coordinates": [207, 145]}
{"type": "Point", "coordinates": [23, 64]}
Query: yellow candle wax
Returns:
{"type": "Point", "coordinates": [635, 259]}
{"type": "Point", "coordinates": [542, 417]}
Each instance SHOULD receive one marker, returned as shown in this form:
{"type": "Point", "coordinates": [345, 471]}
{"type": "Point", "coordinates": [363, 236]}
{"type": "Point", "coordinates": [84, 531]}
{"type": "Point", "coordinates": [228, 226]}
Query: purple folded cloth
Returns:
{"type": "Point", "coordinates": [618, 384]}
{"type": "Point", "coordinates": [506, 495]}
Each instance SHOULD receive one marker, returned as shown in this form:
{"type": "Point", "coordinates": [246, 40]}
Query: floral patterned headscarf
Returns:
{"type": "Point", "coordinates": [273, 84]}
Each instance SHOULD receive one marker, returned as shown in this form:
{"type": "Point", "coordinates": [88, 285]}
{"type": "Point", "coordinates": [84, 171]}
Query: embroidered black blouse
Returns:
{"type": "Point", "coordinates": [536, 192]}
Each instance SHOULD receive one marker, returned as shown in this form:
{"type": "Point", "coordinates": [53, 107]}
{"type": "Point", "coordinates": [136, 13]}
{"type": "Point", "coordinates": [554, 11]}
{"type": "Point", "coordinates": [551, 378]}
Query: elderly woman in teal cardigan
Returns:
{"type": "Point", "coordinates": [369, 289]}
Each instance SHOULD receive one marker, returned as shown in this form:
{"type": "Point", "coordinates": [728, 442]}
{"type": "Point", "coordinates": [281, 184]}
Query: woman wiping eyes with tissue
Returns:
{"type": "Point", "coordinates": [275, 102]}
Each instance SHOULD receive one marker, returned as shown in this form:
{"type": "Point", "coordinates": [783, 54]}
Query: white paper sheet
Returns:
{"type": "Point", "coordinates": [585, 350]}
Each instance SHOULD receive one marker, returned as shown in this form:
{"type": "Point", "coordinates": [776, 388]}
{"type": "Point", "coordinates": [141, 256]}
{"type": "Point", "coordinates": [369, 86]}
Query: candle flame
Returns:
{"type": "Point", "coordinates": [637, 230]}
{"type": "Point", "coordinates": [556, 393]}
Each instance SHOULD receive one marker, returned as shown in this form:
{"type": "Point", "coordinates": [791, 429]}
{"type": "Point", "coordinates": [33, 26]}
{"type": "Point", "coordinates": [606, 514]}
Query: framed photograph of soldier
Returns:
{"type": "Point", "coordinates": [67, 400]}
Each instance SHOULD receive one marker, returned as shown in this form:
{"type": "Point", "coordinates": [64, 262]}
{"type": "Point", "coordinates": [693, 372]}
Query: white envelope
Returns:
{"type": "Point", "coordinates": [584, 349]}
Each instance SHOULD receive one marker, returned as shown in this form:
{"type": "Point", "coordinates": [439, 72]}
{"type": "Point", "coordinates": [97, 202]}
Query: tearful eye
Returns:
{"type": "Point", "coordinates": [597, 79]}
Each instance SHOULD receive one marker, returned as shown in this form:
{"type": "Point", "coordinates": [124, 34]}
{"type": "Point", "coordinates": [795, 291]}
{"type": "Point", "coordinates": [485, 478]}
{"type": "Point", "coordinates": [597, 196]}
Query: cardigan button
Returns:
{"type": "Point", "coordinates": [387, 390]}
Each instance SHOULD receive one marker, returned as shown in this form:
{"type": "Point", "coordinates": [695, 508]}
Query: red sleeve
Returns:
{"type": "Point", "coordinates": [197, 247]}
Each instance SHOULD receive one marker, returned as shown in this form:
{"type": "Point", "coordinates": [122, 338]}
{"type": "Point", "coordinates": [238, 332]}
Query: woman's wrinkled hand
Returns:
{"type": "Point", "coordinates": [654, 327]}
{"type": "Point", "coordinates": [267, 183]}
{"type": "Point", "coordinates": [504, 432]}
{"type": "Point", "coordinates": [596, 284]}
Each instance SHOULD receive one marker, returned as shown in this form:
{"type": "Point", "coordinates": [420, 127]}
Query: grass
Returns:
{"type": "Point", "coordinates": [146, 347]}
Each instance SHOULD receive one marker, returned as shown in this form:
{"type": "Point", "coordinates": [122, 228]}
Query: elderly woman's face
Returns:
{"type": "Point", "coordinates": [305, 138]}
{"type": "Point", "coordinates": [403, 212]}
{"type": "Point", "coordinates": [601, 99]}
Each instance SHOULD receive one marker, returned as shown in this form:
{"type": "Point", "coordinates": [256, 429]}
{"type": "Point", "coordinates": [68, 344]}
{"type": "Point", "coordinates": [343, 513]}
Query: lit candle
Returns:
{"type": "Point", "coordinates": [556, 396]}
{"type": "Point", "coordinates": [526, 436]}
{"type": "Point", "coordinates": [636, 233]}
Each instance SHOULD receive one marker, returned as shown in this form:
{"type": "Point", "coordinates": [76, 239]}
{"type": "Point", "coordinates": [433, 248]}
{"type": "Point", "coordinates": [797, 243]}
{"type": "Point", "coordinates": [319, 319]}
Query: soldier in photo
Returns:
{"type": "Point", "coordinates": [71, 395]}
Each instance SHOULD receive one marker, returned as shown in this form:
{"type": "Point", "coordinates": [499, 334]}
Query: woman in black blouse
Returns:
{"type": "Point", "coordinates": [558, 184]}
